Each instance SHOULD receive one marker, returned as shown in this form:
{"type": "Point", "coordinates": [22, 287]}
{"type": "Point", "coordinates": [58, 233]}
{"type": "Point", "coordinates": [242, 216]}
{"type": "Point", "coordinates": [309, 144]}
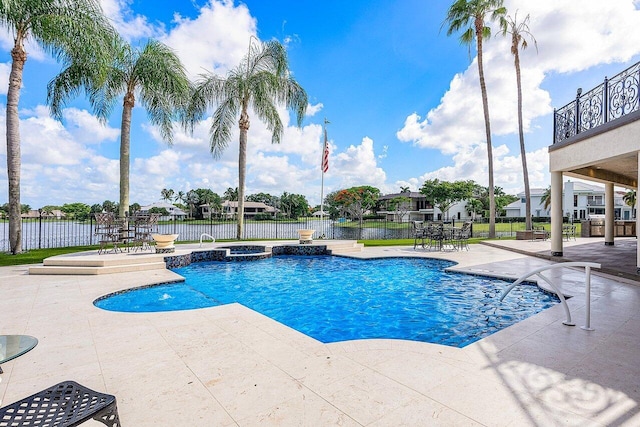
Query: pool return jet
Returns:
{"type": "Point", "coordinates": [538, 272]}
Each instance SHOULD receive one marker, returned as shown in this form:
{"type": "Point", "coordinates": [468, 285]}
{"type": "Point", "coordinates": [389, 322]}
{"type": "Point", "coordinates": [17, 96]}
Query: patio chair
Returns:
{"type": "Point", "coordinates": [462, 236]}
{"type": "Point", "coordinates": [107, 231]}
{"type": "Point", "coordinates": [418, 233]}
{"type": "Point", "coordinates": [569, 231]}
{"type": "Point", "coordinates": [144, 226]}
{"type": "Point", "coordinates": [67, 404]}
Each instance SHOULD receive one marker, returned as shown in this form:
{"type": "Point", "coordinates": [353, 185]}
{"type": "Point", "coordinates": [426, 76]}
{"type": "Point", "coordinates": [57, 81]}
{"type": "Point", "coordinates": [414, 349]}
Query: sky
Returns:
{"type": "Point", "coordinates": [402, 98]}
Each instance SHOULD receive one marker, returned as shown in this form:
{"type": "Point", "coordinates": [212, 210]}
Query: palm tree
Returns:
{"type": "Point", "coordinates": [231, 194]}
{"type": "Point", "coordinates": [72, 31]}
{"type": "Point", "coordinates": [470, 15]}
{"type": "Point", "coordinates": [167, 194]}
{"type": "Point", "coordinates": [154, 73]}
{"type": "Point", "coordinates": [519, 32]}
{"type": "Point", "coordinates": [261, 81]}
{"type": "Point", "coordinates": [179, 196]}
{"type": "Point", "coordinates": [630, 199]}
{"type": "Point", "coordinates": [546, 198]}
{"type": "Point", "coordinates": [404, 189]}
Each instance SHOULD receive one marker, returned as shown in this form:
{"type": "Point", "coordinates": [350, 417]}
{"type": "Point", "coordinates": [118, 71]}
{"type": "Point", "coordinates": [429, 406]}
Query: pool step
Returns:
{"type": "Point", "coordinates": [346, 247]}
{"type": "Point", "coordinates": [83, 263]}
{"type": "Point", "coordinates": [92, 270]}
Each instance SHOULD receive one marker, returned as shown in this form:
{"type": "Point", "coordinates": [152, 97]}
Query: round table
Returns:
{"type": "Point", "coordinates": [12, 346]}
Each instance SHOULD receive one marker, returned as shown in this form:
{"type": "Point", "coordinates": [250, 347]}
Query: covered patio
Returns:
{"type": "Point", "coordinates": [596, 138]}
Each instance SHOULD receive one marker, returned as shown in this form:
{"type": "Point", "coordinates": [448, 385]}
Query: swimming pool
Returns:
{"type": "Point", "coordinates": [336, 299]}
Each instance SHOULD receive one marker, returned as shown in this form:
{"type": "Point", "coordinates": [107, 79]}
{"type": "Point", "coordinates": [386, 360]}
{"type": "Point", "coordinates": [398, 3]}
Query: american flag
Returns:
{"type": "Point", "coordinates": [325, 153]}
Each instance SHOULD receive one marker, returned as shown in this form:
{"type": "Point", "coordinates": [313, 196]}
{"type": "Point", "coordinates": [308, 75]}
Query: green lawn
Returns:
{"type": "Point", "coordinates": [35, 256]}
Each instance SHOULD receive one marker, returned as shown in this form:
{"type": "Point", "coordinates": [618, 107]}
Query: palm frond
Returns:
{"type": "Point", "coordinates": [223, 120]}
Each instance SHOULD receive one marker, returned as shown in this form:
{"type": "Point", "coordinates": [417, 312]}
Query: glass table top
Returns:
{"type": "Point", "coordinates": [12, 346]}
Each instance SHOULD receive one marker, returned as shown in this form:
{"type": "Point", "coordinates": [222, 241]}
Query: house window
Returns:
{"type": "Point", "coordinates": [575, 200]}
{"type": "Point", "coordinates": [523, 200]}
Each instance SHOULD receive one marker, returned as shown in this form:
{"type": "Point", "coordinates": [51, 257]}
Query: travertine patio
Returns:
{"type": "Point", "coordinates": [228, 365]}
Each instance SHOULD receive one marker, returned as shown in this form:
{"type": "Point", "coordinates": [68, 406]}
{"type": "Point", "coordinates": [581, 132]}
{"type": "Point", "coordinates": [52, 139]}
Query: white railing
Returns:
{"type": "Point", "coordinates": [538, 272]}
{"type": "Point", "coordinates": [203, 235]}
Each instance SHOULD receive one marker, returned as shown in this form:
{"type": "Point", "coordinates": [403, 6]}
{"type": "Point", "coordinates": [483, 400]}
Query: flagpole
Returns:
{"type": "Point", "coordinates": [322, 169]}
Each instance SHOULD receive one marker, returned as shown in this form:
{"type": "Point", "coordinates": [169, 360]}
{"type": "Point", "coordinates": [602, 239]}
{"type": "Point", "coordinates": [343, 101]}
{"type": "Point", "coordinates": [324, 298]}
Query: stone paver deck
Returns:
{"type": "Point", "coordinates": [229, 365]}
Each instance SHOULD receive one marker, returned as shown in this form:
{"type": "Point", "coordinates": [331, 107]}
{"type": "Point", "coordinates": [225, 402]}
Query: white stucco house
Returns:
{"type": "Point", "coordinates": [418, 209]}
{"type": "Point", "coordinates": [175, 213]}
{"type": "Point", "coordinates": [580, 200]}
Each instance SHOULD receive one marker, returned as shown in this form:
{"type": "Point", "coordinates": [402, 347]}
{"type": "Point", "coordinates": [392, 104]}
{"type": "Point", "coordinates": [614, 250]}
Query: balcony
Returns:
{"type": "Point", "coordinates": [614, 99]}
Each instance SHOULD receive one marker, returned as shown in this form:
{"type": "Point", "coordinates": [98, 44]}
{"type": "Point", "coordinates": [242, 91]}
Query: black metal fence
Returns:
{"type": "Point", "coordinates": [40, 233]}
{"type": "Point", "coordinates": [614, 98]}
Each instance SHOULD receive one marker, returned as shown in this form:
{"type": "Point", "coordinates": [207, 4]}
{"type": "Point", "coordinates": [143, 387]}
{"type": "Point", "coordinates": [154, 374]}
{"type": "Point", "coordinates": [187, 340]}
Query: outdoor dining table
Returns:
{"type": "Point", "coordinates": [12, 346]}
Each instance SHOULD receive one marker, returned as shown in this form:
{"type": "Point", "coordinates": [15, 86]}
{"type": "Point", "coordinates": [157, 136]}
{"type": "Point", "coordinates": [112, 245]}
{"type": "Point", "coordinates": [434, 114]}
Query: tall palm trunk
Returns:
{"type": "Point", "coordinates": [242, 167]}
{"type": "Point", "coordinates": [125, 152]}
{"type": "Point", "coordinates": [19, 57]}
{"type": "Point", "coordinates": [479, 24]}
{"type": "Point", "coordinates": [523, 152]}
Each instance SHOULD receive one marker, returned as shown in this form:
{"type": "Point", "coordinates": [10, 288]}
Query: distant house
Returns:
{"type": "Point", "coordinates": [251, 209]}
{"type": "Point", "coordinates": [419, 209]}
{"type": "Point", "coordinates": [35, 213]}
{"type": "Point", "coordinates": [175, 213]}
{"type": "Point", "coordinates": [518, 208]}
{"type": "Point", "coordinates": [580, 201]}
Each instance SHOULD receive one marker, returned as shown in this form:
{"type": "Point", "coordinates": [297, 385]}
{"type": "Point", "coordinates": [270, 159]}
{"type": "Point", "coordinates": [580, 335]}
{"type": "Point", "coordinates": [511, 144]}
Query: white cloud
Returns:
{"type": "Point", "coordinates": [130, 25]}
{"type": "Point", "coordinates": [312, 110]}
{"type": "Point", "coordinates": [569, 39]}
{"type": "Point", "coordinates": [356, 166]}
{"type": "Point", "coordinates": [216, 40]}
{"type": "Point", "coordinates": [86, 128]}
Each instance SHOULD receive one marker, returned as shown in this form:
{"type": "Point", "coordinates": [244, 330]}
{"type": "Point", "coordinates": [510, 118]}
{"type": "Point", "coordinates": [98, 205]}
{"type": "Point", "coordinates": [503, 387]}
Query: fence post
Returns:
{"type": "Point", "coordinates": [605, 96]}
{"type": "Point", "coordinates": [39, 228]}
{"type": "Point", "coordinates": [578, 93]}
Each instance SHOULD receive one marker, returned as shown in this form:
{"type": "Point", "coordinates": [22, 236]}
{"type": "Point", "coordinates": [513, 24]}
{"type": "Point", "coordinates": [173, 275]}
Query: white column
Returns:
{"type": "Point", "coordinates": [609, 214]}
{"type": "Point", "coordinates": [637, 222]}
{"type": "Point", "coordinates": [556, 213]}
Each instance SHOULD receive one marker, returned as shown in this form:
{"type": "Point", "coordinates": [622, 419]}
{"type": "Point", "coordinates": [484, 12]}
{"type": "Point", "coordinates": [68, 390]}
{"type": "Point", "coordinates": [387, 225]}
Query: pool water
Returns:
{"type": "Point", "coordinates": [336, 299]}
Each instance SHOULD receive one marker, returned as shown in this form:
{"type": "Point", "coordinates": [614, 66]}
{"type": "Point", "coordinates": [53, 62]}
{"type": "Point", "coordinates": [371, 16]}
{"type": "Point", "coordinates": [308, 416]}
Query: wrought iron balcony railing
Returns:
{"type": "Point", "coordinates": [614, 98]}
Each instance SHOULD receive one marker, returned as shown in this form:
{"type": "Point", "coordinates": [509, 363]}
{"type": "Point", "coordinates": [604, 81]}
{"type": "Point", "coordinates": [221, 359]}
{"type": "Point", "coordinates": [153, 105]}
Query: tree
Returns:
{"type": "Point", "coordinates": [167, 194]}
{"type": "Point", "coordinates": [445, 194]}
{"type": "Point", "coordinates": [630, 199]}
{"type": "Point", "coordinates": [77, 211]}
{"type": "Point", "coordinates": [160, 211]}
{"type": "Point", "coordinates": [109, 206]}
{"type": "Point", "coordinates": [519, 32]}
{"type": "Point", "coordinates": [469, 16]}
{"type": "Point", "coordinates": [179, 197]}
{"type": "Point", "coordinates": [357, 201]}
{"type": "Point", "coordinates": [261, 81]}
{"type": "Point", "coordinates": [231, 194]}
{"type": "Point", "coordinates": [192, 201]}
{"type": "Point", "coordinates": [265, 198]}
{"type": "Point", "coordinates": [296, 205]}
{"type": "Point", "coordinates": [546, 198]}
{"type": "Point", "coordinates": [208, 197]}
{"type": "Point", "coordinates": [72, 31]}
{"type": "Point", "coordinates": [404, 189]}
{"type": "Point", "coordinates": [154, 72]}
{"type": "Point", "coordinates": [134, 207]}
{"type": "Point", "coordinates": [401, 205]}
{"type": "Point", "coordinates": [474, 206]}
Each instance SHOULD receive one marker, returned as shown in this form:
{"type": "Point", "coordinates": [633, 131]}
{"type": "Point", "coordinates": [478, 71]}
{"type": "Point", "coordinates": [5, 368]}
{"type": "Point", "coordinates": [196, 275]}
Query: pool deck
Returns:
{"type": "Point", "coordinates": [231, 366]}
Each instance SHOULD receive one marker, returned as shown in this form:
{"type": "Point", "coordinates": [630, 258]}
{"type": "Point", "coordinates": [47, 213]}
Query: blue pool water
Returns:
{"type": "Point", "coordinates": [336, 299]}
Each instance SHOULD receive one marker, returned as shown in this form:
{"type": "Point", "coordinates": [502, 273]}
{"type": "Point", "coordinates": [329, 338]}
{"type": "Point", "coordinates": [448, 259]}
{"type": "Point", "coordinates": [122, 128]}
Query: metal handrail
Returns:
{"type": "Point", "coordinates": [203, 235]}
{"type": "Point", "coordinates": [538, 272]}
{"type": "Point", "coordinates": [614, 98]}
